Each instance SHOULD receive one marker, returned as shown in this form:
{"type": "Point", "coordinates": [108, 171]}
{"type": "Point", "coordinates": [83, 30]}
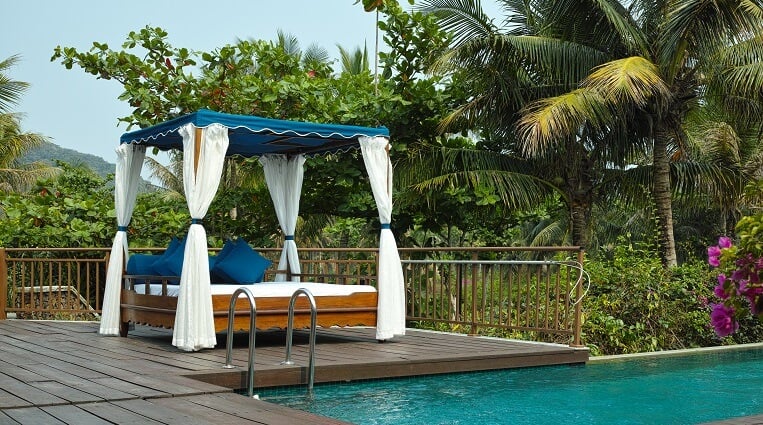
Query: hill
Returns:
{"type": "Point", "coordinates": [50, 153]}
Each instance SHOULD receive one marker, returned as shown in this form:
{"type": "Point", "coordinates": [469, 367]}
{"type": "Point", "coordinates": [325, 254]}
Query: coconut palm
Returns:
{"type": "Point", "coordinates": [14, 175]}
{"type": "Point", "coordinates": [10, 90]}
{"type": "Point", "coordinates": [505, 68]}
{"type": "Point", "coordinates": [675, 56]}
{"type": "Point", "coordinates": [643, 66]}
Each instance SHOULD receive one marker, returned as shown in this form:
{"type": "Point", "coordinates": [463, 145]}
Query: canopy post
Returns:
{"type": "Point", "coordinates": [196, 150]}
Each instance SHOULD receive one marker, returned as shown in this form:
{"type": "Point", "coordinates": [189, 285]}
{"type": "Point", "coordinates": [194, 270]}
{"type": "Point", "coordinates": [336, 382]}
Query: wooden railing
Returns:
{"type": "Point", "coordinates": [523, 292]}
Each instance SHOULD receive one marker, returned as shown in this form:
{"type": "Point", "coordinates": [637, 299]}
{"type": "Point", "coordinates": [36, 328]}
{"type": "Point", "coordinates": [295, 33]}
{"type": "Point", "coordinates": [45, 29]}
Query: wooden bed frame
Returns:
{"type": "Point", "coordinates": [356, 309]}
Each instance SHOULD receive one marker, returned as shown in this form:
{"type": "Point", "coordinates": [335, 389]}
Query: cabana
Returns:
{"type": "Point", "coordinates": [206, 138]}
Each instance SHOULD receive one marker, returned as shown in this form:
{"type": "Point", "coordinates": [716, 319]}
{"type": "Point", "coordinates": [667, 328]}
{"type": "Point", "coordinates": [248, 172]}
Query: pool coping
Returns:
{"type": "Point", "coordinates": [675, 353]}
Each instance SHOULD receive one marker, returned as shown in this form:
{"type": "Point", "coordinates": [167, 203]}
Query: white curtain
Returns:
{"type": "Point", "coordinates": [284, 176]}
{"type": "Point", "coordinates": [194, 321]}
{"type": "Point", "coordinates": [129, 163]}
{"type": "Point", "coordinates": [391, 305]}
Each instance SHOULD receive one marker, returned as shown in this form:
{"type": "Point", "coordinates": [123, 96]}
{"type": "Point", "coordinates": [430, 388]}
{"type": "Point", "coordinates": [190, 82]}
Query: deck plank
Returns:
{"type": "Point", "coordinates": [33, 395]}
{"type": "Point", "coordinates": [117, 414]}
{"type": "Point", "coordinates": [32, 415]}
{"type": "Point", "coordinates": [71, 414]}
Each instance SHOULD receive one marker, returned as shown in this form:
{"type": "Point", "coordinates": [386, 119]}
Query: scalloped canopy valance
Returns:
{"type": "Point", "coordinates": [250, 135]}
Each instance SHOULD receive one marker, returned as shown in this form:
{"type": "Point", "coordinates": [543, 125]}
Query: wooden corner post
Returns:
{"type": "Point", "coordinates": [3, 285]}
{"type": "Point", "coordinates": [196, 150]}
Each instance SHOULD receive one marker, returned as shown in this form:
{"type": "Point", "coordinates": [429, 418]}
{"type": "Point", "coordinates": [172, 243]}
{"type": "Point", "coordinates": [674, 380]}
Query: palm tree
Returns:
{"type": "Point", "coordinates": [674, 56]}
{"type": "Point", "coordinates": [10, 90]}
{"type": "Point", "coordinates": [14, 175]}
{"type": "Point", "coordinates": [353, 62]}
{"type": "Point", "coordinates": [652, 62]}
{"type": "Point", "coordinates": [506, 68]}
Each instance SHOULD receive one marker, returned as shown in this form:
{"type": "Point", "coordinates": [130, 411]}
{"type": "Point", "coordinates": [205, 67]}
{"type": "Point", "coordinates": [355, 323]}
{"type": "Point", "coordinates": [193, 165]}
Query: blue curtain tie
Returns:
{"type": "Point", "coordinates": [289, 237]}
{"type": "Point", "coordinates": [385, 226]}
{"type": "Point", "coordinates": [121, 228]}
{"type": "Point", "coordinates": [196, 221]}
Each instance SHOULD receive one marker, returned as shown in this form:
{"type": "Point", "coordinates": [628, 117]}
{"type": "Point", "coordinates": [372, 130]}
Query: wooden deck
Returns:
{"type": "Point", "coordinates": [65, 373]}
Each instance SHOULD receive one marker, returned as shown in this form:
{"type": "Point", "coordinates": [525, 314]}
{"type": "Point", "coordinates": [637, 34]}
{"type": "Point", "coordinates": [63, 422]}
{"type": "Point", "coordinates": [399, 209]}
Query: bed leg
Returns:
{"type": "Point", "coordinates": [124, 327]}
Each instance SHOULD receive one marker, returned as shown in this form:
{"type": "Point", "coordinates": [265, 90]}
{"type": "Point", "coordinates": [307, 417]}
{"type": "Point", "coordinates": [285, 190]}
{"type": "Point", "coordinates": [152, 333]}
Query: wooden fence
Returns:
{"type": "Point", "coordinates": [523, 292]}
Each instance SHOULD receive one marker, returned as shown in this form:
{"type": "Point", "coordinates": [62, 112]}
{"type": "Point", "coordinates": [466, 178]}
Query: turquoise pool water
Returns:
{"type": "Point", "coordinates": [689, 389]}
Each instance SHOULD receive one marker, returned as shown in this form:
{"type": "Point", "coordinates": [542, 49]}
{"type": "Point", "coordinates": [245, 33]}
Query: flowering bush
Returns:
{"type": "Point", "coordinates": [739, 286]}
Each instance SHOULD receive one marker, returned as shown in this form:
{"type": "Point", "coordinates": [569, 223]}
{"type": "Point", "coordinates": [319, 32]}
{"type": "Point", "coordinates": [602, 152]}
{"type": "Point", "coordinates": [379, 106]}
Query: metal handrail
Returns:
{"type": "Point", "coordinates": [252, 333]}
{"type": "Point", "coordinates": [290, 334]}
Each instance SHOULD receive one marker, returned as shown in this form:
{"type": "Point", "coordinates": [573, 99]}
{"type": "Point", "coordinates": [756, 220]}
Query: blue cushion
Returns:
{"type": "Point", "coordinates": [171, 262]}
{"type": "Point", "coordinates": [213, 259]}
{"type": "Point", "coordinates": [141, 264]}
{"type": "Point", "coordinates": [241, 265]}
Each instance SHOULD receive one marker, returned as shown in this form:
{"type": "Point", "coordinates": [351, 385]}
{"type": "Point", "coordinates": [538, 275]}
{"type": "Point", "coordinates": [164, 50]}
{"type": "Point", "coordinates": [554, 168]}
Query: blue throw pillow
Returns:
{"type": "Point", "coordinates": [141, 264]}
{"type": "Point", "coordinates": [213, 259]}
{"type": "Point", "coordinates": [171, 262]}
{"type": "Point", "coordinates": [241, 265]}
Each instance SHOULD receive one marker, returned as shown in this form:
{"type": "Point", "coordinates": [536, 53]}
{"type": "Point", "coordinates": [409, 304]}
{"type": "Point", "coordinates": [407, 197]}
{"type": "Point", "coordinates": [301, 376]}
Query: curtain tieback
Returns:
{"type": "Point", "coordinates": [196, 221]}
{"type": "Point", "coordinates": [385, 226]}
{"type": "Point", "coordinates": [121, 228]}
{"type": "Point", "coordinates": [289, 237]}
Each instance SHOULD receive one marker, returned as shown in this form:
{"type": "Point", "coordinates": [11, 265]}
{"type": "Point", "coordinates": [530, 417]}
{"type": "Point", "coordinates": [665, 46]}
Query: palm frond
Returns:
{"type": "Point", "coordinates": [629, 80]}
{"type": "Point", "coordinates": [704, 25]}
{"type": "Point", "coordinates": [622, 22]}
{"type": "Point", "coordinates": [289, 43]}
{"type": "Point", "coordinates": [465, 19]}
{"type": "Point", "coordinates": [10, 90]}
{"type": "Point", "coordinates": [548, 121]}
{"type": "Point", "coordinates": [559, 60]}
{"type": "Point", "coordinates": [315, 55]}
{"type": "Point", "coordinates": [170, 177]}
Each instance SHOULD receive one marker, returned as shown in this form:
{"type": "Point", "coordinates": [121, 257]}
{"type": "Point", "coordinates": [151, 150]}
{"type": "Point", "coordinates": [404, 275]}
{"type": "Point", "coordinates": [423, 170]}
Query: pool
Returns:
{"type": "Point", "coordinates": [687, 389]}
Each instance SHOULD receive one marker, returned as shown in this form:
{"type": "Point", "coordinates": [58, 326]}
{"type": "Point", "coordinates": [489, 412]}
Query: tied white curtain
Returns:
{"type": "Point", "coordinates": [284, 176]}
{"type": "Point", "coordinates": [194, 321]}
{"type": "Point", "coordinates": [129, 163]}
{"type": "Point", "coordinates": [390, 319]}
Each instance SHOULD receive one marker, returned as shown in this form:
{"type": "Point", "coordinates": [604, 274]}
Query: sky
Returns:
{"type": "Point", "coordinates": [76, 110]}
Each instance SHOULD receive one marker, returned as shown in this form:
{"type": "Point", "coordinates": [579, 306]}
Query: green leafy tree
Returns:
{"type": "Point", "coordinates": [74, 209]}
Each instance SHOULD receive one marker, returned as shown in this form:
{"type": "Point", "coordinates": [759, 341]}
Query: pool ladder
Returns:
{"type": "Point", "coordinates": [290, 334]}
{"type": "Point", "coordinates": [252, 333]}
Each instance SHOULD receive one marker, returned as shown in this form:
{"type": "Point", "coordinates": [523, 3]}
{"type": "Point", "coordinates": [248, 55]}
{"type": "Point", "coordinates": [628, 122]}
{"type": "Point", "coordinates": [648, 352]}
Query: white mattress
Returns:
{"type": "Point", "coordinates": [268, 289]}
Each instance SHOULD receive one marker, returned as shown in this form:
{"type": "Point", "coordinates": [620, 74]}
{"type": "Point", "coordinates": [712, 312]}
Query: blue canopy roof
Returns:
{"type": "Point", "coordinates": [250, 135]}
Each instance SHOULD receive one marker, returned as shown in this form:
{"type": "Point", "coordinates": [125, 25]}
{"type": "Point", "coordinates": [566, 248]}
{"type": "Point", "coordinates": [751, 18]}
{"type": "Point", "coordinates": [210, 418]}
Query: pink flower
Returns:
{"type": "Point", "coordinates": [713, 251]}
{"type": "Point", "coordinates": [720, 292]}
{"type": "Point", "coordinates": [724, 242]}
{"type": "Point", "coordinates": [722, 319]}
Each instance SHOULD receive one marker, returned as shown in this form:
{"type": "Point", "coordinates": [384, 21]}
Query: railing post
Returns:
{"type": "Point", "coordinates": [3, 284]}
{"type": "Point", "coordinates": [577, 325]}
{"type": "Point", "coordinates": [473, 329]}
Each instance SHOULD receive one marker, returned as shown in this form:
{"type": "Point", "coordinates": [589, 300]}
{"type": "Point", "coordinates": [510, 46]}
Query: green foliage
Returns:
{"type": "Point", "coordinates": [749, 230]}
{"type": "Point", "coordinates": [74, 210]}
{"type": "Point", "coordinates": [636, 305]}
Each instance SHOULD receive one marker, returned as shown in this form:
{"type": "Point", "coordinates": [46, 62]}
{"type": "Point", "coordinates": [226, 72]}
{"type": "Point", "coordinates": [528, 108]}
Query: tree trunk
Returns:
{"type": "Point", "coordinates": [579, 190]}
{"type": "Point", "coordinates": [663, 201]}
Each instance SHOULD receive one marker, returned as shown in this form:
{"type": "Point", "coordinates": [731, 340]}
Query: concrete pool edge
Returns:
{"type": "Point", "coordinates": [675, 353]}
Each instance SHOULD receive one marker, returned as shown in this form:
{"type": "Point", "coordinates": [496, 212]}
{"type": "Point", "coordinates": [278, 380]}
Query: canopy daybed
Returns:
{"type": "Point", "coordinates": [206, 138]}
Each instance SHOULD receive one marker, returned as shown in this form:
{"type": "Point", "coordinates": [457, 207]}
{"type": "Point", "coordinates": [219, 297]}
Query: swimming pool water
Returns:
{"type": "Point", "coordinates": [656, 390]}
